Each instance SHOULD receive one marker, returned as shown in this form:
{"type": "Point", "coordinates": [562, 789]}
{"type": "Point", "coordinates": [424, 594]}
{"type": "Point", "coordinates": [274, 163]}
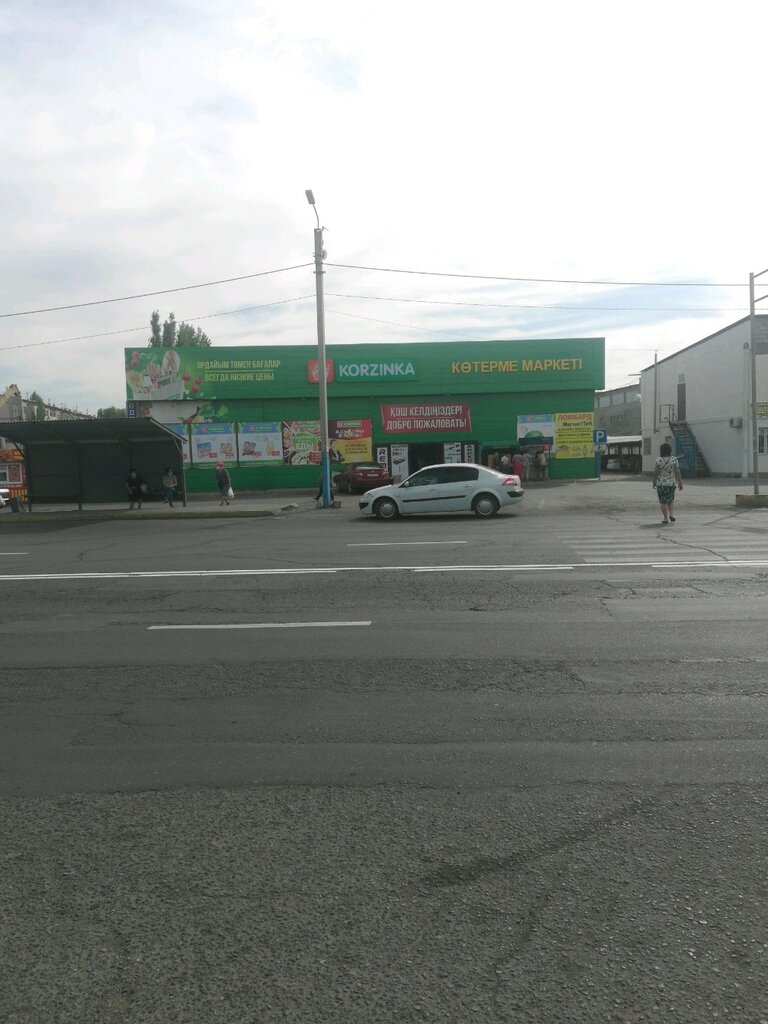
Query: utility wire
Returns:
{"type": "Point", "coordinates": [162, 291]}
{"type": "Point", "coordinates": [507, 305]}
{"type": "Point", "coordinates": [133, 330]}
{"type": "Point", "coordinates": [392, 323]}
{"type": "Point", "coordinates": [545, 280]}
{"type": "Point", "coordinates": [387, 270]}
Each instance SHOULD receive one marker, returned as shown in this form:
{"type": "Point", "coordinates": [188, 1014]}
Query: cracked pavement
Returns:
{"type": "Point", "coordinates": [531, 798]}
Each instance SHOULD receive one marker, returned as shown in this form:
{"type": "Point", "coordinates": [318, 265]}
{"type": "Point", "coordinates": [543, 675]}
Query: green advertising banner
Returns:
{"type": "Point", "coordinates": [389, 370]}
{"type": "Point", "coordinates": [174, 374]}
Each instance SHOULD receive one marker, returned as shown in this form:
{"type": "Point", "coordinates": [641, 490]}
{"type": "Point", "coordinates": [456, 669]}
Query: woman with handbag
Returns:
{"type": "Point", "coordinates": [666, 476]}
{"type": "Point", "coordinates": [224, 484]}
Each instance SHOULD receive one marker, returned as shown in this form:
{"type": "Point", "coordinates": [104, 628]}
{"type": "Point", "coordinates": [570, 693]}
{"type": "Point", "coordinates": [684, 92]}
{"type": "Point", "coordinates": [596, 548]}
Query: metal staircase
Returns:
{"type": "Point", "coordinates": [690, 456]}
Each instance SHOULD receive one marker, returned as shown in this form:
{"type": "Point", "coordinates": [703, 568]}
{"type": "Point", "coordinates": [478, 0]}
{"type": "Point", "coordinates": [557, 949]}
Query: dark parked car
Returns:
{"type": "Point", "coordinates": [362, 476]}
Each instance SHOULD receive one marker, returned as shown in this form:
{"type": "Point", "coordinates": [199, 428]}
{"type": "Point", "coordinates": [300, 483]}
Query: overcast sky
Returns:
{"type": "Point", "coordinates": [151, 145]}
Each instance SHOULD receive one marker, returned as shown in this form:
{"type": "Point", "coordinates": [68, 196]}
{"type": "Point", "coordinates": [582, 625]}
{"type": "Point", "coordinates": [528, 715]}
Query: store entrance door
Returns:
{"type": "Point", "coordinates": [425, 455]}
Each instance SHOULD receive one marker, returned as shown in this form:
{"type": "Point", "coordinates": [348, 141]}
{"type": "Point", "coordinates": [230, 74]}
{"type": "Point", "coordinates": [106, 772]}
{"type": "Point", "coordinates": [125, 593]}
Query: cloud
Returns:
{"type": "Point", "coordinates": [150, 145]}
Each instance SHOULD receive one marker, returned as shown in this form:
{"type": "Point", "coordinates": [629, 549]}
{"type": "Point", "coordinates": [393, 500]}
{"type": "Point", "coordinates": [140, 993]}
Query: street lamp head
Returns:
{"type": "Point", "coordinates": [310, 196]}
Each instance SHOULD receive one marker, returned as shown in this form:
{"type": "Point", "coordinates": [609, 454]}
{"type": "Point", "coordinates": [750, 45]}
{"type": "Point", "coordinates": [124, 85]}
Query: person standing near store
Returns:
{"type": "Point", "coordinates": [518, 465]}
{"type": "Point", "coordinates": [135, 488]}
{"type": "Point", "coordinates": [542, 464]}
{"type": "Point", "coordinates": [527, 463]}
{"type": "Point", "coordinates": [667, 477]}
{"type": "Point", "coordinates": [169, 484]}
{"type": "Point", "coordinates": [224, 483]}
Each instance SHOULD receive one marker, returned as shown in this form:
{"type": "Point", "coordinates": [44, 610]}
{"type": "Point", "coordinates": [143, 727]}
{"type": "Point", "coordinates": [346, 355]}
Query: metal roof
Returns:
{"type": "Point", "coordinates": [115, 431]}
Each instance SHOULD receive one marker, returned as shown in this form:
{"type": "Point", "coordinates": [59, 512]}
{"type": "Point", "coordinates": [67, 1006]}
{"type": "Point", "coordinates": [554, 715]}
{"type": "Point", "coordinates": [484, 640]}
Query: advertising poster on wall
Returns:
{"type": "Point", "coordinates": [398, 454]}
{"type": "Point", "coordinates": [212, 443]}
{"type": "Point", "coordinates": [573, 435]}
{"type": "Point", "coordinates": [348, 441]}
{"type": "Point", "coordinates": [301, 442]}
{"type": "Point", "coordinates": [351, 440]}
{"type": "Point", "coordinates": [536, 429]}
{"type": "Point", "coordinates": [452, 451]}
{"type": "Point", "coordinates": [181, 430]}
{"type": "Point", "coordinates": [261, 442]}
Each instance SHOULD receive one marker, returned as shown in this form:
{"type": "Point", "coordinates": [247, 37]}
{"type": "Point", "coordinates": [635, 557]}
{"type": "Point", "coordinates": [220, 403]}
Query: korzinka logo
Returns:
{"type": "Point", "coordinates": [376, 371]}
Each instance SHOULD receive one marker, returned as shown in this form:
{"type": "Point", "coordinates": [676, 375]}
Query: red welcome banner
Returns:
{"type": "Point", "coordinates": [425, 418]}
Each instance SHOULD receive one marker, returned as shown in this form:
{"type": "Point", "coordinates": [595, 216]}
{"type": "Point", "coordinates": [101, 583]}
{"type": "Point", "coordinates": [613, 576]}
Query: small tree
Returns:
{"type": "Point", "coordinates": [169, 332]}
{"type": "Point", "coordinates": [111, 412]}
{"type": "Point", "coordinates": [189, 335]}
{"type": "Point", "coordinates": [157, 339]}
{"type": "Point", "coordinates": [173, 335]}
{"type": "Point", "coordinates": [39, 405]}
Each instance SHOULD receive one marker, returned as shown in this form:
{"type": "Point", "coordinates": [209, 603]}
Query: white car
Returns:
{"type": "Point", "coordinates": [450, 487]}
{"type": "Point", "coordinates": [5, 495]}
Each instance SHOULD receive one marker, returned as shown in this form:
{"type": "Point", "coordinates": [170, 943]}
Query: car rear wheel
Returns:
{"type": "Point", "coordinates": [485, 506]}
{"type": "Point", "coordinates": [385, 508]}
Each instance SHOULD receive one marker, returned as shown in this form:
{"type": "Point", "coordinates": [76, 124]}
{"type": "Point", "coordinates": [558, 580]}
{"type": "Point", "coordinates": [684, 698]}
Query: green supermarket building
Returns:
{"type": "Point", "coordinates": [256, 408]}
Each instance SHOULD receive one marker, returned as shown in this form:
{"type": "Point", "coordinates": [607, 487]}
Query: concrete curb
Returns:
{"type": "Point", "coordinates": [93, 517]}
{"type": "Point", "coordinates": [752, 500]}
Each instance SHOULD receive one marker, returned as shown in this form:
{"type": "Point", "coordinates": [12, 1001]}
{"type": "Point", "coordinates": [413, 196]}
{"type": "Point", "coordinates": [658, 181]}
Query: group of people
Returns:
{"type": "Point", "coordinates": [137, 489]}
{"type": "Point", "coordinates": [528, 465]}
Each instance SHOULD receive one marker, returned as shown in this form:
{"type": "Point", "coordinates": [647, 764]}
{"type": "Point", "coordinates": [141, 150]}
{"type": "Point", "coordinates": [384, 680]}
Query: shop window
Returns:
{"type": "Point", "coordinates": [762, 440]}
{"type": "Point", "coordinates": [10, 473]}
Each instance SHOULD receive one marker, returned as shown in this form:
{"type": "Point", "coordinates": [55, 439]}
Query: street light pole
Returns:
{"type": "Point", "coordinates": [753, 376]}
{"type": "Point", "coordinates": [753, 380]}
{"type": "Point", "coordinates": [325, 468]}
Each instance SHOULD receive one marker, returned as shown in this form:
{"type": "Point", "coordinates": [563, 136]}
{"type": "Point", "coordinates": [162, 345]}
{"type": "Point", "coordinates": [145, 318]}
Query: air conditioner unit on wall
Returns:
{"type": "Point", "coordinates": [735, 421]}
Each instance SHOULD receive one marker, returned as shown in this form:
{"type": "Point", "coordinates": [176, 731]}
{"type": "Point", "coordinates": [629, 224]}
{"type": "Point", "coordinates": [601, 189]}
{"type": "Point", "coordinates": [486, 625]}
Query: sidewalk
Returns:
{"type": "Point", "coordinates": [247, 504]}
{"type": "Point", "coordinates": [611, 494]}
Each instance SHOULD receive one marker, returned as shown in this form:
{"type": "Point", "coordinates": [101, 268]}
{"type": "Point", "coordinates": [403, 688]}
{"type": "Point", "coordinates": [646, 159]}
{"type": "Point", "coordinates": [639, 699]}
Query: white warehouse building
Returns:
{"type": "Point", "coordinates": [700, 401]}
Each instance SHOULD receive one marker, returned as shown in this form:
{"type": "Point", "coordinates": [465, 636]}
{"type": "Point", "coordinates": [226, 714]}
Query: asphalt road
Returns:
{"type": "Point", "coordinates": [432, 770]}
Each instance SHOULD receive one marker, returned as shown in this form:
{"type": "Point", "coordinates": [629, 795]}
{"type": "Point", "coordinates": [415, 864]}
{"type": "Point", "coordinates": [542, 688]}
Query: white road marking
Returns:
{"type": "Point", "coordinates": [268, 625]}
{"type": "Point", "coordinates": [208, 573]}
{"type": "Point", "coordinates": [493, 568]}
{"type": "Point", "coordinates": [405, 543]}
{"type": "Point", "coordinates": [12, 554]}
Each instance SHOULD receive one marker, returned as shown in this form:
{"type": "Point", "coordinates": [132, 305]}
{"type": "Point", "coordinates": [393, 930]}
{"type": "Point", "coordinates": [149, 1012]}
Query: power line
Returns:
{"type": "Point", "coordinates": [162, 291]}
{"type": "Point", "coordinates": [544, 280]}
{"type": "Point", "coordinates": [508, 305]}
{"type": "Point", "coordinates": [133, 330]}
{"type": "Point", "coordinates": [392, 323]}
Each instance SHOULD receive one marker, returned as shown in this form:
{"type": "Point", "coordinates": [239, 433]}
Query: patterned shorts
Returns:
{"type": "Point", "coordinates": [666, 493]}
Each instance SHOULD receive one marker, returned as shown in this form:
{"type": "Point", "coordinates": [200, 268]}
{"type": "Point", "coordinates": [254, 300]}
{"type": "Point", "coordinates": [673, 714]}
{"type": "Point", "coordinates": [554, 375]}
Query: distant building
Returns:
{"type": "Point", "coordinates": [699, 400]}
{"type": "Point", "coordinates": [15, 408]}
{"type": "Point", "coordinates": [619, 410]}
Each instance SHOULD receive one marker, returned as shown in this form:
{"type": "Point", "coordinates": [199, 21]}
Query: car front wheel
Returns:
{"type": "Point", "coordinates": [485, 506]}
{"type": "Point", "coordinates": [385, 508]}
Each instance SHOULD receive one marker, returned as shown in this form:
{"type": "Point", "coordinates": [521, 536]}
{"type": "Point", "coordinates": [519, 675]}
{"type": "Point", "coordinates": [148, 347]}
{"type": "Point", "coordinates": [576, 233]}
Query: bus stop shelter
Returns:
{"type": "Point", "coordinates": [87, 461]}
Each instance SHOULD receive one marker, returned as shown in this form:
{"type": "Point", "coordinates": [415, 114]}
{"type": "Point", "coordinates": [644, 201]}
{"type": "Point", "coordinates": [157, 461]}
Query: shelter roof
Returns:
{"type": "Point", "coordinates": [85, 431]}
